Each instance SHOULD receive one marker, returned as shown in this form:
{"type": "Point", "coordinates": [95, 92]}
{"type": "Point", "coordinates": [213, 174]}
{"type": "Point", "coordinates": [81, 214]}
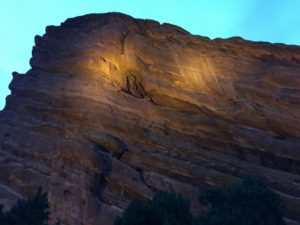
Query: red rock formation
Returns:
{"type": "Point", "coordinates": [116, 108]}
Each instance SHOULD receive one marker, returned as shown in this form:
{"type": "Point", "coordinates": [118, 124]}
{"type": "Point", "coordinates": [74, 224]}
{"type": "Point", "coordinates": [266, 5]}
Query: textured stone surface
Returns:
{"type": "Point", "coordinates": [116, 108]}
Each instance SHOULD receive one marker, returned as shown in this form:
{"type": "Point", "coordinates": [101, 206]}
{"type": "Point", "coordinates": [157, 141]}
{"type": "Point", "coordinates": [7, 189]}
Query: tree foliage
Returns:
{"type": "Point", "coordinates": [247, 203]}
{"type": "Point", "coordinates": [32, 211]}
{"type": "Point", "coordinates": [164, 209]}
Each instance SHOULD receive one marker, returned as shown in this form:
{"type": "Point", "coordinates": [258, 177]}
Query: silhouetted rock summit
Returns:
{"type": "Point", "coordinates": [115, 108]}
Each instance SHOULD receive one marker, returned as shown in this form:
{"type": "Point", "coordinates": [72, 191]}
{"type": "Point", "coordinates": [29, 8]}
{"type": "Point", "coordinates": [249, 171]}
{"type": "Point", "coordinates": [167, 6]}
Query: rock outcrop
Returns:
{"type": "Point", "coordinates": [115, 108]}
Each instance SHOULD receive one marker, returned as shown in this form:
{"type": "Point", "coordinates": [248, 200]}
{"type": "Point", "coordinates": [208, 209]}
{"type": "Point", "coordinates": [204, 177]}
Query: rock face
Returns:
{"type": "Point", "coordinates": [116, 108]}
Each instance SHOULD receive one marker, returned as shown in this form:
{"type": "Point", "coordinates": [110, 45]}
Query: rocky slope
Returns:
{"type": "Point", "coordinates": [116, 108]}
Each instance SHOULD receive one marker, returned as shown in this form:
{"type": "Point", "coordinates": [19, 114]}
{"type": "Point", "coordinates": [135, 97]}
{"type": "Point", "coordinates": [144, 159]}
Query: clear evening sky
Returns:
{"type": "Point", "coordinates": [258, 20]}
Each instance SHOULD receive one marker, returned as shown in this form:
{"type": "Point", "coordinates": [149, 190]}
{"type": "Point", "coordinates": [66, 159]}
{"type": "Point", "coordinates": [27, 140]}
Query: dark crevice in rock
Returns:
{"type": "Point", "coordinates": [108, 143]}
{"type": "Point", "coordinates": [124, 42]}
{"type": "Point", "coordinates": [142, 31]}
{"type": "Point", "coordinates": [100, 182]}
{"type": "Point", "coordinates": [105, 156]}
{"type": "Point", "coordinates": [100, 148]}
{"type": "Point", "coordinates": [140, 171]}
{"type": "Point", "coordinates": [133, 86]}
{"type": "Point", "coordinates": [98, 186]}
{"type": "Point", "coordinates": [179, 105]}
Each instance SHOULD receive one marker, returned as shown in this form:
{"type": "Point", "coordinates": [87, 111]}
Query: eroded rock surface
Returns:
{"type": "Point", "coordinates": [116, 108]}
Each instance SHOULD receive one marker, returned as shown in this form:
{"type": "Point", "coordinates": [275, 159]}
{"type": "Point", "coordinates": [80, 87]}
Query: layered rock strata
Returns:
{"type": "Point", "coordinates": [115, 108]}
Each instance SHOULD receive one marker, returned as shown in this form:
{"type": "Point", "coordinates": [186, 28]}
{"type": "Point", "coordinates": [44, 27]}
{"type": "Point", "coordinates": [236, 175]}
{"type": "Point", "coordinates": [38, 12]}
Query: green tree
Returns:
{"type": "Point", "coordinates": [32, 211]}
{"type": "Point", "coordinates": [164, 209]}
{"type": "Point", "coordinates": [248, 203]}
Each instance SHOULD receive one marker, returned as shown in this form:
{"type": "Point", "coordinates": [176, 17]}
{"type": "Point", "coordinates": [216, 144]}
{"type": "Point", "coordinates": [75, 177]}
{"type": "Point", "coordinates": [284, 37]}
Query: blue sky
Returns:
{"type": "Point", "coordinates": [258, 20]}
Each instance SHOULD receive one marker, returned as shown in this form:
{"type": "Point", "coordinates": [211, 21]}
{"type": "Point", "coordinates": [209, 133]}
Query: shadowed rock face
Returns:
{"type": "Point", "coordinates": [116, 108]}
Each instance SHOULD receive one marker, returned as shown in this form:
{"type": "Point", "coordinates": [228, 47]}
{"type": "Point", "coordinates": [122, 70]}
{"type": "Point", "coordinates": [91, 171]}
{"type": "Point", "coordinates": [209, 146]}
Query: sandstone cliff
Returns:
{"type": "Point", "coordinates": [115, 108]}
